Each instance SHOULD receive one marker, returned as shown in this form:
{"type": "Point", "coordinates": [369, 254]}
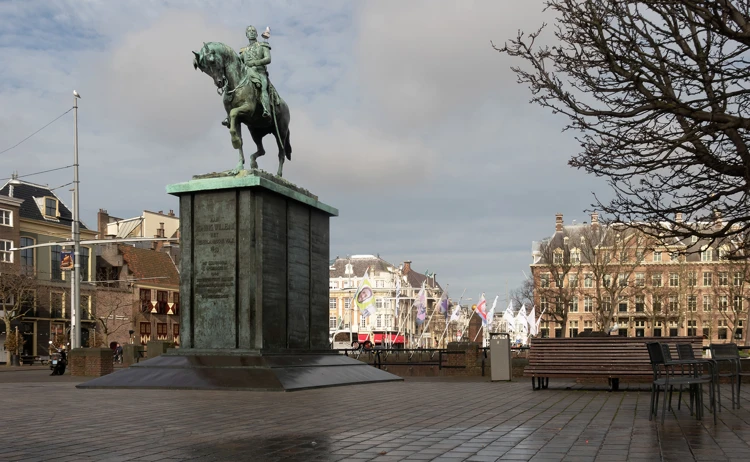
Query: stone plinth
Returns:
{"type": "Point", "coordinates": [90, 362]}
{"type": "Point", "coordinates": [253, 293]}
{"type": "Point", "coordinates": [158, 347]}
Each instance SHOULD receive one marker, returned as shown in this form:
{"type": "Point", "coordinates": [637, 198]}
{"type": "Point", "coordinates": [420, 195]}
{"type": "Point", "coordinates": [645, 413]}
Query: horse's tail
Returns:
{"type": "Point", "coordinates": [287, 146]}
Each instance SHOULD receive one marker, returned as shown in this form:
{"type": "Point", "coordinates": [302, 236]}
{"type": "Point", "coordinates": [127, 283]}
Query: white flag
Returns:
{"type": "Point", "coordinates": [398, 293]}
{"type": "Point", "coordinates": [531, 320]}
{"type": "Point", "coordinates": [521, 318]}
{"type": "Point", "coordinates": [508, 317]}
{"type": "Point", "coordinates": [455, 314]}
{"type": "Point", "coordinates": [491, 312]}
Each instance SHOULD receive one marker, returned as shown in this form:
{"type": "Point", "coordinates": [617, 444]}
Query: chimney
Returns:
{"type": "Point", "coordinates": [10, 190]}
{"type": "Point", "coordinates": [407, 266]}
{"type": "Point", "coordinates": [558, 222]}
{"type": "Point", "coordinates": [595, 220]}
{"type": "Point", "coordinates": [171, 213]}
{"type": "Point", "coordinates": [717, 220]}
{"type": "Point", "coordinates": [102, 218]}
{"type": "Point", "coordinates": [161, 229]}
{"type": "Point", "coordinates": [678, 217]}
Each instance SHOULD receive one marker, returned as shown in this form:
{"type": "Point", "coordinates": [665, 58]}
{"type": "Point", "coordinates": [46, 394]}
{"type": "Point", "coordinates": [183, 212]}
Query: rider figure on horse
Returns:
{"type": "Point", "coordinates": [256, 56]}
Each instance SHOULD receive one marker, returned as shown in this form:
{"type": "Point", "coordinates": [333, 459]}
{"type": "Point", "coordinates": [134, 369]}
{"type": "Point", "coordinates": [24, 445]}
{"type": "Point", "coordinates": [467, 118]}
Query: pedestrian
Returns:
{"type": "Point", "coordinates": [118, 353]}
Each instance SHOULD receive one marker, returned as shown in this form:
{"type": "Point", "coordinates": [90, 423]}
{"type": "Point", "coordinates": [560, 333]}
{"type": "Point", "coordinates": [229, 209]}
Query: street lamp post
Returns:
{"type": "Point", "coordinates": [75, 311]}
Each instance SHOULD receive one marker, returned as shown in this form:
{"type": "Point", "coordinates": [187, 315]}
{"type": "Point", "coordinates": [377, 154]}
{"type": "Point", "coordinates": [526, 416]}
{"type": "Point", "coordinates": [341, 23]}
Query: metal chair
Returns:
{"type": "Point", "coordinates": [666, 377]}
{"type": "Point", "coordinates": [685, 353]}
{"type": "Point", "coordinates": [729, 354]}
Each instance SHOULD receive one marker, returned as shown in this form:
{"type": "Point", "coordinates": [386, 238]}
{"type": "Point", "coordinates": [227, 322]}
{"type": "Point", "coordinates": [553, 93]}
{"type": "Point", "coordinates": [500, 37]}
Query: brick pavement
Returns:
{"type": "Point", "coordinates": [441, 419]}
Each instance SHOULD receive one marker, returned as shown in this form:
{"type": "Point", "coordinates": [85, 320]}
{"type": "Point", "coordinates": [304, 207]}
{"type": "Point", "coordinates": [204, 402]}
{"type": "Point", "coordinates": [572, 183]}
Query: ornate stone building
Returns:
{"type": "Point", "coordinates": [592, 277]}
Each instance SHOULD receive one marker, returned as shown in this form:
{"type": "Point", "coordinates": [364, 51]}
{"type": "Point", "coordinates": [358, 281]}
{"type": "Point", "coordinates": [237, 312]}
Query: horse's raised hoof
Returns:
{"type": "Point", "coordinates": [254, 165]}
{"type": "Point", "coordinates": [225, 122]}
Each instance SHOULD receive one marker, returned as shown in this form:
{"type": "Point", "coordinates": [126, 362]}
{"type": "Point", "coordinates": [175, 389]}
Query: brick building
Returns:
{"type": "Point", "coordinates": [592, 277]}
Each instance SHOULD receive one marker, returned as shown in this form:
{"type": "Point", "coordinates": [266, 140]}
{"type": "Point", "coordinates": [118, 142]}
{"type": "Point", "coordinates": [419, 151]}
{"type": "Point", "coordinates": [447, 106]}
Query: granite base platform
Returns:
{"type": "Point", "coordinates": [237, 371]}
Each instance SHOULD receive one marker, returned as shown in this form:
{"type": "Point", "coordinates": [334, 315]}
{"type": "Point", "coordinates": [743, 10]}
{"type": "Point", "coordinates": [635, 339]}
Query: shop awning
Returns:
{"type": "Point", "coordinates": [389, 338]}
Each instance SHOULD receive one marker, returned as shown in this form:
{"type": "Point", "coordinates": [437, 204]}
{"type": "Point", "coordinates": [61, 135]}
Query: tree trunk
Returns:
{"type": "Point", "coordinates": [7, 333]}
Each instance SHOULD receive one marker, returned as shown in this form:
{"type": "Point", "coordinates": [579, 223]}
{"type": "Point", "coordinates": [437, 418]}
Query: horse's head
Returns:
{"type": "Point", "coordinates": [211, 61]}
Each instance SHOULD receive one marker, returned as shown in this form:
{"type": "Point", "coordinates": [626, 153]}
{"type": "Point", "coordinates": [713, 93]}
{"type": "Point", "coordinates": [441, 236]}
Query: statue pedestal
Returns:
{"type": "Point", "coordinates": [253, 293]}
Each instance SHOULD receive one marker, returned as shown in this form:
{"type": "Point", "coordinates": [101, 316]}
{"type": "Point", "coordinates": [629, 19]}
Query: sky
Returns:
{"type": "Point", "coordinates": [403, 117]}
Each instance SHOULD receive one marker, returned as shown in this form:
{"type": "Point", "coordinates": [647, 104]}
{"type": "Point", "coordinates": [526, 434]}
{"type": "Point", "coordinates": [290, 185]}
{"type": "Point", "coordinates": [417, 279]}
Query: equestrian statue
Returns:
{"type": "Point", "coordinates": [249, 97]}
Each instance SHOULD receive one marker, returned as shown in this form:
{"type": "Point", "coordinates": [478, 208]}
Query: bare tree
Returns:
{"type": "Point", "coordinates": [658, 90]}
{"type": "Point", "coordinates": [555, 290]}
{"type": "Point", "coordinates": [17, 291]}
{"type": "Point", "coordinates": [524, 294]}
{"type": "Point", "coordinates": [115, 310]}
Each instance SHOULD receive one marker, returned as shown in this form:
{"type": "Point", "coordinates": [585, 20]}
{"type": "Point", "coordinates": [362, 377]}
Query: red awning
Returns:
{"type": "Point", "coordinates": [389, 338]}
{"type": "Point", "coordinates": [362, 337]}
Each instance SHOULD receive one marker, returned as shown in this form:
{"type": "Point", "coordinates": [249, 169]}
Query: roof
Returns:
{"type": "Point", "coordinates": [29, 209]}
{"type": "Point", "coordinates": [376, 264]}
{"type": "Point", "coordinates": [146, 263]}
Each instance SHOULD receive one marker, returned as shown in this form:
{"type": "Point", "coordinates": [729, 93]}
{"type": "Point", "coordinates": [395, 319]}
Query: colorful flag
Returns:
{"type": "Point", "coordinates": [364, 297]}
{"type": "Point", "coordinates": [508, 317]}
{"type": "Point", "coordinates": [443, 303]}
{"type": "Point", "coordinates": [521, 318]}
{"type": "Point", "coordinates": [482, 308]}
{"type": "Point", "coordinates": [491, 313]}
{"type": "Point", "coordinates": [398, 292]}
{"type": "Point", "coordinates": [531, 320]}
{"type": "Point", "coordinates": [421, 304]}
{"type": "Point", "coordinates": [455, 314]}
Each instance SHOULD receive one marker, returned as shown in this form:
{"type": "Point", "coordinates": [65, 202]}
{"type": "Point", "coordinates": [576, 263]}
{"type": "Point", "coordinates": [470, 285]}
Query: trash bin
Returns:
{"type": "Point", "coordinates": [500, 363]}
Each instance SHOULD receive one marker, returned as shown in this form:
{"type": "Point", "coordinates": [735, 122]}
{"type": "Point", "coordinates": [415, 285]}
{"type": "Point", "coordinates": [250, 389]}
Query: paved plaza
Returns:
{"type": "Point", "coordinates": [457, 419]}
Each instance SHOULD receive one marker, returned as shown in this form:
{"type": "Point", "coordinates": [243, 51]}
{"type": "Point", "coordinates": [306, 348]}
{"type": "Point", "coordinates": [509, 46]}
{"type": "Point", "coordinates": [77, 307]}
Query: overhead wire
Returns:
{"type": "Point", "coordinates": [19, 143]}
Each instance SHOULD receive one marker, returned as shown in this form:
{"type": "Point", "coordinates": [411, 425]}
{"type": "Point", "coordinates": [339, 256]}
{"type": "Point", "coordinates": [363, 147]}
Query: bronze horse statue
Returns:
{"type": "Point", "coordinates": [242, 103]}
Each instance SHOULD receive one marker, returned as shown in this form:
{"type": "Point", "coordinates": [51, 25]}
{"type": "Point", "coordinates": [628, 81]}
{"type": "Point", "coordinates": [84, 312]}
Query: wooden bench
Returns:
{"type": "Point", "coordinates": [610, 357]}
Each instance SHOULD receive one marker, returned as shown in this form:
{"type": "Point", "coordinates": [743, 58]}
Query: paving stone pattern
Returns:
{"type": "Point", "coordinates": [440, 419]}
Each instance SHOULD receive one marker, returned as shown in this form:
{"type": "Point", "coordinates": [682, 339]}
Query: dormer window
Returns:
{"type": "Point", "coordinates": [575, 256]}
{"type": "Point", "coordinates": [50, 207]}
{"type": "Point", "coordinates": [707, 254]}
{"type": "Point", "coordinates": [557, 258]}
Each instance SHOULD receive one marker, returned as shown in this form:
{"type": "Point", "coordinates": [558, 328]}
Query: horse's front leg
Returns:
{"type": "Point", "coordinates": [235, 131]}
{"type": "Point", "coordinates": [258, 139]}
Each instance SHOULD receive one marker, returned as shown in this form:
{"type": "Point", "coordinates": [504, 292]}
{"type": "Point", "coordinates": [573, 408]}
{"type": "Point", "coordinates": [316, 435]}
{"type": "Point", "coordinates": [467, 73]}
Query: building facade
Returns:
{"type": "Point", "coordinates": [391, 325]}
{"type": "Point", "coordinates": [619, 279]}
{"type": "Point", "coordinates": [43, 218]}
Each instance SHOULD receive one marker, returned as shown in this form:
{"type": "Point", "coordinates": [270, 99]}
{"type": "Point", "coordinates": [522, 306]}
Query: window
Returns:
{"type": "Point", "coordinates": [606, 303]}
{"type": "Point", "coordinates": [86, 307]}
{"type": "Point", "coordinates": [640, 280]}
{"type": "Point", "coordinates": [6, 217]}
{"type": "Point", "coordinates": [692, 303]}
{"type": "Point", "coordinates": [723, 278]}
{"type": "Point", "coordinates": [674, 256]}
{"type": "Point", "coordinates": [622, 306]}
{"type": "Point", "coordinates": [656, 280]}
{"type": "Point", "coordinates": [176, 303]}
{"type": "Point", "coordinates": [588, 304]}
{"type": "Point", "coordinates": [379, 321]}
{"type": "Point", "coordinates": [27, 255]}
{"type": "Point", "coordinates": [639, 255]}
{"type": "Point", "coordinates": [707, 279]}
{"type": "Point", "coordinates": [657, 329]}
{"type": "Point", "coordinates": [673, 331]}
{"type": "Point", "coordinates": [575, 256]}
{"type": "Point", "coordinates": [544, 281]}
{"type": "Point", "coordinates": [640, 328]}
{"type": "Point", "coordinates": [640, 303]}
{"type": "Point", "coordinates": [333, 284]}
{"type": "Point", "coordinates": [692, 328]}
{"type": "Point", "coordinates": [722, 329]}
{"type": "Point", "coordinates": [692, 279]}
{"type": "Point", "coordinates": [379, 303]}
{"type": "Point", "coordinates": [737, 303]}
{"type": "Point", "coordinates": [8, 300]}
{"type": "Point", "coordinates": [333, 322]}
{"type": "Point", "coordinates": [573, 280]}
{"type": "Point", "coordinates": [28, 302]}
{"type": "Point", "coordinates": [543, 303]}
{"type": "Point", "coordinates": [674, 304]}
{"type": "Point", "coordinates": [83, 255]}
{"type": "Point", "coordinates": [723, 303]}
{"type": "Point", "coordinates": [707, 254]}
{"type": "Point", "coordinates": [57, 309]}
{"type": "Point", "coordinates": [722, 253]}
{"type": "Point", "coordinates": [56, 258]}
{"type": "Point", "coordinates": [707, 332]}
{"type": "Point", "coordinates": [674, 280]}
{"type": "Point", "coordinates": [573, 306]}
{"type": "Point", "coordinates": [145, 332]}
{"type": "Point", "coordinates": [347, 303]}
{"type": "Point", "coordinates": [607, 280]}
{"type": "Point", "coordinates": [738, 279]}
{"type": "Point", "coordinates": [657, 256]}
{"type": "Point", "coordinates": [623, 280]}
{"type": "Point", "coordinates": [544, 329]}
{"type": "Point", "coordinates": [656, 303]}
{"type": "Point", "coordinates": [145, 299]}
{"type": "Point", "coordinates": [162, 302]}
{"type": "Point", "coordinates": [161, 331]}
{"type": "Point", "coordinates": [363, 321]}
{"type": "Point", "coordinates": [706, 303]}
{"type": "Point", "coordinates": [588, 281]}
{"type": "Point", "coordinates": [6, 256]}
{"type": "Point", "coordinates": [379, 284]}
{"type": "Point", "coordinates": [557, 258]}
{"type": "Point", "coordinates": [50, 207]}
{"type": "Point", "coordinates": [573, 330]}
{"type": "Point", "coordinates": [332, 304]}
{"type": "Point", "coordinates": [176, 333]}
{"type": "Point", "coordinates": [588, 326]}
